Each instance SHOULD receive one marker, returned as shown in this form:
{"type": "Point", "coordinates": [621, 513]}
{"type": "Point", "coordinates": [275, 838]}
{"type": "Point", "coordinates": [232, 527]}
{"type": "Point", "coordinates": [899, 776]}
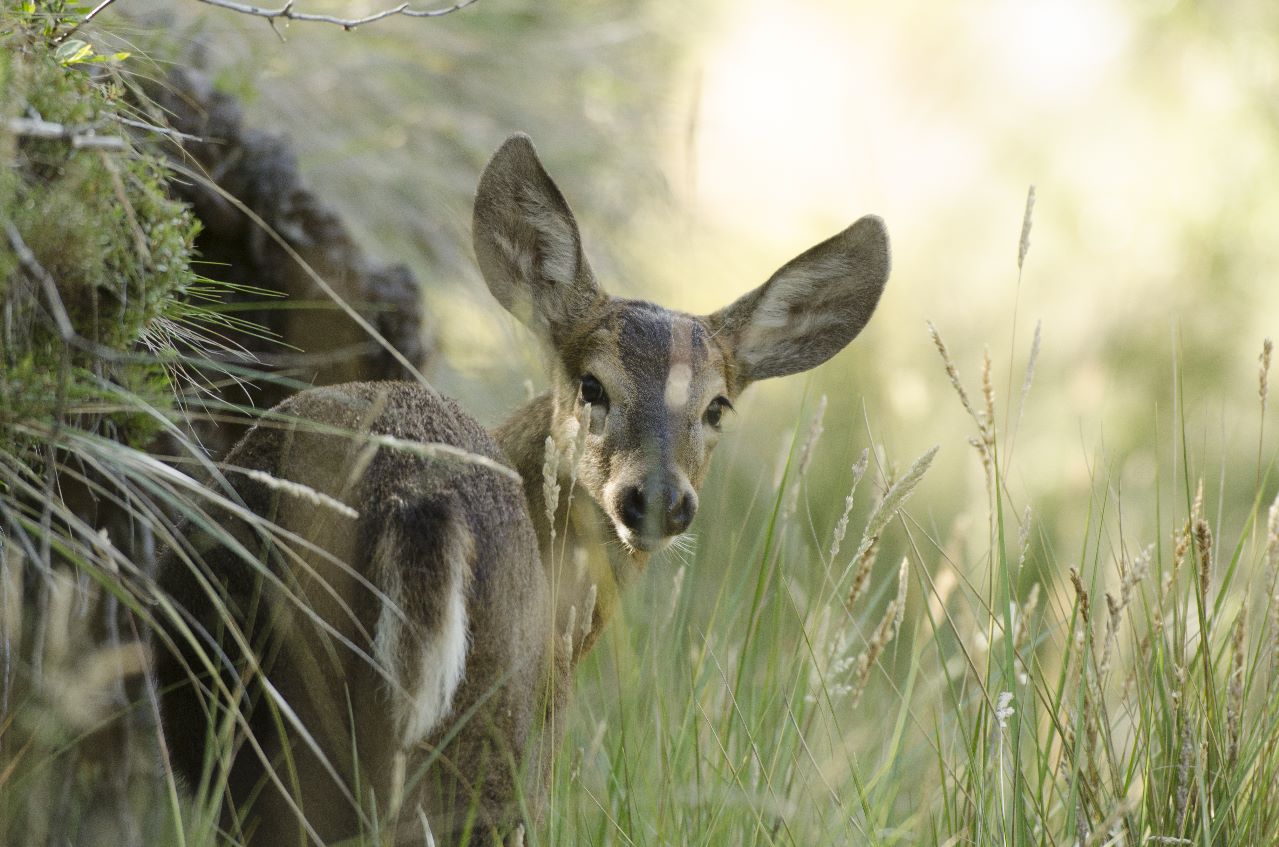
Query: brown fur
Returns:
{"type": "Point", "coordinates": [318, 617]}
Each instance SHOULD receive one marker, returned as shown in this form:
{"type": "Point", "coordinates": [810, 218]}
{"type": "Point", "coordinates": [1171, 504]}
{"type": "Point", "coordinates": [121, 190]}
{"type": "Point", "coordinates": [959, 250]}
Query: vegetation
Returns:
{"type": "Point", "coordinates": [852, 648]}
{"type": "Point", "coordinates": [1120, 693]}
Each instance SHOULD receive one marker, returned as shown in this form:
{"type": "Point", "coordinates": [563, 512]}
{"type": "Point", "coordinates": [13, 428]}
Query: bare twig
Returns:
{"type": "Point", "coordinates": [286, 12]}
{"type": "Point", "coordinates": [80, 137]}
{"type": "Point", "coordinates": [92, 14]}
{"type": "Point", "coordinates": [36, 271]}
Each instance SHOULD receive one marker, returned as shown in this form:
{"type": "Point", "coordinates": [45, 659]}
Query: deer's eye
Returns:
{"type": "Point", "coordinates": [592, 392]}
{"type": "Point", "coordinates": [715, 411]}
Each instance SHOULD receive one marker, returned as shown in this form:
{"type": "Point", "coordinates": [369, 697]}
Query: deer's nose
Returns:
{"type": "Point", "coordinates": [672, 508]}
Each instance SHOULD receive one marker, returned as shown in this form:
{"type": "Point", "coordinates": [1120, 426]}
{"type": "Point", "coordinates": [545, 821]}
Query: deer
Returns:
{"type": "Point", "coordinates": [391, 646]}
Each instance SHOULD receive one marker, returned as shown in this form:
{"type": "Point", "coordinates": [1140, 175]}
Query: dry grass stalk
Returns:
{"type": "Point", "coordinates": [1113, 610]}
{"type": "Point", "coordinates": [988, 394]}
{"type": "Point", "coordinates": [953, 373]}
{"type": "Point", "coordinates": [1023, 538]}
{"type": "Point", "coordinates": [1203, 540]}
{"type": "Point", "coordinates": [889, 624]}
{"type": "Point", "coordinates": [1263, 376]}
{"type": "Point", "coordinates": [1111, 830]}
{"type": "Point", "coordinates": [1115, 605]}
{"type": "Point", "coordinates": [1234, 692]}
{"type": "Point", "coordinates": [984, 443]}
{"type": "Point", "coordinates": [814, 433]}
{"type": "Point", "coordinates": [302, 492]}
{"type": "Point", "coordinates": [841, 526]}
{"type": "Point", "coordinates": [1184, 761]}
{"type": "Point", "coordinates": [1081, 594]}
{"type": "Point", "coordinates": [894, 498]}
{"type": "Point", "coordinates": [1021, 633]}
{"type": "Point", "coordinates": [806, 455]}
{"type": "Point", "coordinates": [551, 482]}
{"type": "Point", "coordinates": [1081, 677]}
{"type": "Point", "coordinates": [1181, 546]}
{"type": "Point", "coordinates": [570, 629]}
{"type": "Point", "coordinates": [1023, 244]}
{"type": "Point", "coordinates": [1030, 374]}
{"type": "Point", "coordinates": [575, 444]}
{"type": "Point", "coordinates": [985, 440]}
{"type": "Point", "coordinates": [862, 565]}
{"type": "Point", "coordinates": [1031, 361]}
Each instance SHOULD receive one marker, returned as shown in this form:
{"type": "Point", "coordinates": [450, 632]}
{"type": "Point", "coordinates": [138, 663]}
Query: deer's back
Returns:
{"type": "Point", "coordinates": [405, 591]}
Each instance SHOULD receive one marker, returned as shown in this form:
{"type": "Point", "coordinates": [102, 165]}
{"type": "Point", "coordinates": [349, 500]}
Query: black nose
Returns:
{"type": "Point", "coordinates": [680, 506]}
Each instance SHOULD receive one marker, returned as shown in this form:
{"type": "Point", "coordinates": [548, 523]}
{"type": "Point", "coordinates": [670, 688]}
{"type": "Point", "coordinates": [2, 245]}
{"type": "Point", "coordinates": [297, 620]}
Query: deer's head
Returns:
{"type": "Point", "coordinates": [658, 382]}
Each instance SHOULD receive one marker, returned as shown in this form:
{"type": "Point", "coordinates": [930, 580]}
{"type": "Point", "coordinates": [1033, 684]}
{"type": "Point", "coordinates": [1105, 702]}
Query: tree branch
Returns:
{"type": "Point", "coordinates": [93, 14]}
{"type": "Point", "coordinates": [83, 137]}
{"type": "Point", "coordinates": [286, 12]}
{"type": "Point", "coordinates": [27, 260]}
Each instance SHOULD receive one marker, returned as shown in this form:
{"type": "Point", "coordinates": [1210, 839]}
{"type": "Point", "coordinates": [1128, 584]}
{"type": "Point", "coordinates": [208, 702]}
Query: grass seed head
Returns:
{"type": "Point", "coordinates": [1203, 539]}
{"type": "Point", "coordinates": [1263, 376]}
{"type": "Point", "coordinates": [884, 633]}
{"type": "Point", "coordinates": [1235, 691]}
{"type": "Point", "coordinates": [841, 526]}
{"type": "Point", "coordinates": [1023, 244]}
{"type": "Point", "coordinates": [551, 481]}
{"type": "Point", "coordinates": [953, 373]}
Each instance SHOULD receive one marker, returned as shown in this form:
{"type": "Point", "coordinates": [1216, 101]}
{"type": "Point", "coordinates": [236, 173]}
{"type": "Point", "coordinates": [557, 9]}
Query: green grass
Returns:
{"type": "Point", "coordinates": [1119, 692]}
{"type": "Point", "coordinates": [816, 666]}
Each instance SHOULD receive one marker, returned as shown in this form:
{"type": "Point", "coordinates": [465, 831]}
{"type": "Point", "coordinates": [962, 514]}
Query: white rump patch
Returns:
{"type": "Point", "coordinates": [439, 654]}
{"type": "Point", "coordinates": [442, 664]}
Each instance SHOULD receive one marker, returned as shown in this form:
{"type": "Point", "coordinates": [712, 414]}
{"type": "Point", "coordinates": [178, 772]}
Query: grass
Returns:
{"type": "Point", "coordinates": [882, 681]}
{"type": "Point", "coordinates": [1124, 695]}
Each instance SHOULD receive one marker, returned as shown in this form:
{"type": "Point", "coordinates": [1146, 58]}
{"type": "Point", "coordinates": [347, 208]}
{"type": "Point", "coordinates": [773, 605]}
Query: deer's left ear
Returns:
{"type": "Point", "coordinates": [811, 308]}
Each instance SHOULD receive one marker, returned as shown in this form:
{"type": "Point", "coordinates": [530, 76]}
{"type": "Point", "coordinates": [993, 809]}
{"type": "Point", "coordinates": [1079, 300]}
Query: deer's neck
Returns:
{"type": "Point", "coordinates": [585, 564]}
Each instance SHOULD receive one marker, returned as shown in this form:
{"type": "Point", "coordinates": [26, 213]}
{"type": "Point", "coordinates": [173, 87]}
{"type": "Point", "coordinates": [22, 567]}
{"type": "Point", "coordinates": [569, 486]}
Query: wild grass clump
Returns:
{"type": "Point", "coordinates": [1137, 705]}
{"type": "Point", "coordinates": [995, 688]}
{"type": "Point", "coordinates": [108, 335]}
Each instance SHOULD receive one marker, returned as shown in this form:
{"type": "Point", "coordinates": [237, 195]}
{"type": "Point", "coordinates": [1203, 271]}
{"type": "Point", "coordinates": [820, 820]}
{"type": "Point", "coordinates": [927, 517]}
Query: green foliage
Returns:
{"type": "Point", "coordinates": [99, 223]}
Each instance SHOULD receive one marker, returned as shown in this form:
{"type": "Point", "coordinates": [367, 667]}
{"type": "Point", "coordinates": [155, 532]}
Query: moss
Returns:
{"type": "Point", "coordinates": [104, 228]}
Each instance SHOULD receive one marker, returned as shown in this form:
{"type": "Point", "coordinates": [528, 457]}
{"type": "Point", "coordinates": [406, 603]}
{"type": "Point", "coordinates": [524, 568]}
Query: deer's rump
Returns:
{"type": "Point", "coordinates": [352, 600]}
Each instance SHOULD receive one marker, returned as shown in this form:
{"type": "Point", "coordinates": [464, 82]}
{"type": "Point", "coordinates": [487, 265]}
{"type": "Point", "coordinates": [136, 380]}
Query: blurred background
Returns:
{"type": "Point", "coordinates": [702, 145]}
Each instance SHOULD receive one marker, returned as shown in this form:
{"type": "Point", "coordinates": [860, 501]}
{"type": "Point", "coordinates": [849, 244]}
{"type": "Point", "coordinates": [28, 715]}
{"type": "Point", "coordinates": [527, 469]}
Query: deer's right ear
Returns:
{"type": "Point", "coordinates": [527, 243]}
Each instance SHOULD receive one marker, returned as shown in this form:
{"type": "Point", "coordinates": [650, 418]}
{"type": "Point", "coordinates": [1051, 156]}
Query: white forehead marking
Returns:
{"type": "Point", "coordinates": [678, 383]}
{"type": "Point", "coordinates": [679, 380]}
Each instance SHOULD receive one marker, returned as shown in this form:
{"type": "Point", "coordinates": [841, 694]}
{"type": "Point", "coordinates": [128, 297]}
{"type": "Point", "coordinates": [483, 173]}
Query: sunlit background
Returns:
{"type": "Point", "coordinates": [702, 146]}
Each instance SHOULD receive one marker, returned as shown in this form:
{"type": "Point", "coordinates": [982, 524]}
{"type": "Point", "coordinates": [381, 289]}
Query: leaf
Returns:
{"type": "Point", "coordinates": [109, 59]}
{"type": "Point", "coordinates": [73, 52]}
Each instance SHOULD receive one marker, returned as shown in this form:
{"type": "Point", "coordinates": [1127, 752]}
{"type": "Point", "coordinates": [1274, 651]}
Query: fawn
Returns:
{"type": "Point", "coordinates": [390, 645]}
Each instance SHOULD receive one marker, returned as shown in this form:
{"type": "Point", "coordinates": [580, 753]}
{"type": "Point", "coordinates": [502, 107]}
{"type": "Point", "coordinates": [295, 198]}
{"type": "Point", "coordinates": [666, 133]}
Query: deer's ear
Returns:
{"type": "Point", "coordinates": [527, 243]}
{"type": "Point", "coordinates": [811, 308]}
